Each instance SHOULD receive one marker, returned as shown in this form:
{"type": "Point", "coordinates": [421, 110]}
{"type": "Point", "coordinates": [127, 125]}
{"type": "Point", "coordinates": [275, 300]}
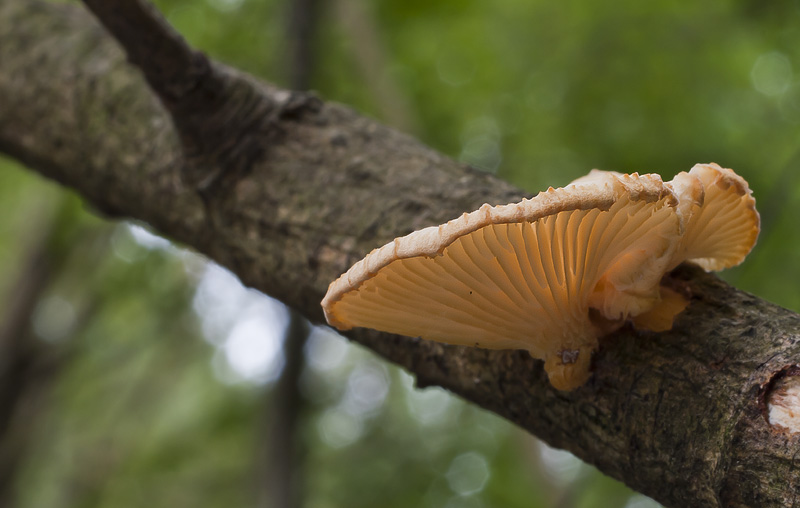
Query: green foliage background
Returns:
{"type": "Point", "coordinates": [145, 408]}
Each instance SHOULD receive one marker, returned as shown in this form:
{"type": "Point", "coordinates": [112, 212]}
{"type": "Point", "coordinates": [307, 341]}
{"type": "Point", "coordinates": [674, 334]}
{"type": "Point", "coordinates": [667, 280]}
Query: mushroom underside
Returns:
{"type": "Point", "coordinates": [524, 285]}
{"type": "Point", "coordinates": [554, 273]}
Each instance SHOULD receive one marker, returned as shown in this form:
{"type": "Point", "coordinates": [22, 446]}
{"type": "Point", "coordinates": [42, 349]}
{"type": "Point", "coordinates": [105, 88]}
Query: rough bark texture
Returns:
{"type": "Point", "coordinates": [315, 186]}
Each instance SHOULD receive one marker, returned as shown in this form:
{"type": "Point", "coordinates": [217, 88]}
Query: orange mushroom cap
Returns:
{"type": "Point", "coordinates": [518, 276]}
{"type": "Point", "coordinates": [553, 273]}
{"type": "Point", "coordinates": [720, 216]}
{"type": "Point", "coordinates": [720, 226]}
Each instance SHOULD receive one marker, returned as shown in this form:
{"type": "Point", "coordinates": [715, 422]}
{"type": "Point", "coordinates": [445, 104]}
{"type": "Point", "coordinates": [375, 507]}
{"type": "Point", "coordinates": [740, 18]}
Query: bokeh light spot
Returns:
{"type": "Point", "coordinates": [367, 388]}
{"type": "Point", "coordinates": [124, 245]}
{"type": "Point", "coordinates": [772, 73]}
{"type": "Point", "coordinates": [562, 467]}
{"type": "Point", "coordinates": [247, 327]}
{"type": "Point", "coordinates": [430, 406]}
{"type": "Point", "coordinates": [325, 350]}
{"type": "Point", "coordinates": [468, 473]}
{"type": "Point", "coordinates": [53, 319]}
{"type": "Point", "coordinates": [338, 428]}
{"type": "Point", "coordinates": [480, 146]}
{"type": "Point", "coordinates": [253, 349]}
{"type": "Point", "coordinates": [226, 5]}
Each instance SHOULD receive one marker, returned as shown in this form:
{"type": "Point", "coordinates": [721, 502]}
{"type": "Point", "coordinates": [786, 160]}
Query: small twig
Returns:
{"type": "Point", "coordinates": [303, 16]}
{"type": "Point", "coordinates": [221, 116]}
{"type": "Point", "coordinates": [369, 52]}
{"type": "Point", "coordinates": [173, 69]}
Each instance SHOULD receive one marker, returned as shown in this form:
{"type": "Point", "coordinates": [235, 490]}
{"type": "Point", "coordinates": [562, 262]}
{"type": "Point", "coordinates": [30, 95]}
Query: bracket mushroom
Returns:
{"type": "Point", "coordinates": [550, 275]}
{"type": "Point", "coordinates": [720, 227]}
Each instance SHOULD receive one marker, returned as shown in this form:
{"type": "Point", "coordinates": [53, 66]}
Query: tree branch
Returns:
{"type": "Point", "coordinates": [301, 37]}
{"type": "Point", "coordinates": [678, 416]}
{"type": "Point", "coordinates": [173, 69]}
{"type": "Point", "coordinates": [220, 117]}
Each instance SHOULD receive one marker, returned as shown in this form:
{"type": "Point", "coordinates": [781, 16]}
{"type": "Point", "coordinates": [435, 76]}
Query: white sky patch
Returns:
{"type": "Point", "coordinates": [325, 350]}
{"type": "Point", "coordinates": [218, 301]}
{"type": "Point", "coordinates": [562, 467]}
{"type": "Point", "coordinates": [246, 326]}
{"type": "Point", "coordinates": [253, 349]}
{"type": "Point", "coordinates": [640, 501]}
{"type": "Point", "coordinates": [124, 246]}
{"type": "Point", "coordinates": [147, 239]}
{"type": "Point", "coordinates": [130, 242]}
{"type": "Point", "coordinates": [431, 406]}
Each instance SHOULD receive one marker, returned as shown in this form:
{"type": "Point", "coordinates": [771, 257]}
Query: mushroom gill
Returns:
{"type": "Point", "coordinates": [722, 228]}
{"type": "Point", "coordinates": [520, 276]}
{"type": "Point", "coordinates": [553, 273]}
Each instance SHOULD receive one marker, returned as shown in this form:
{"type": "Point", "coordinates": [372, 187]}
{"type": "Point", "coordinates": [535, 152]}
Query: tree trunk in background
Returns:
{"type": "Point", "coordinates": [28, 365]}
{"type": "Point", "coordinates": [357, 20]}
{"type": "Point", "coordinates": [288, 191]}
{"type": "Point", "coordinates": [285, 468]}
{"type": "Point", "coordinates": [285, 478]}
{"type": "Point", "coordinates": [19, 354]}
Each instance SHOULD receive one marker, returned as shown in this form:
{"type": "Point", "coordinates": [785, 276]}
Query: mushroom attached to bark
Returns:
{"type": "Point", "coordinates": [721, 226]}
{"type": "Point", "coordinates": [550, 274]}
{"type": "Point", "coordinates": [722, 223]}
{"type": "Point", "coordinates": [521, 276]}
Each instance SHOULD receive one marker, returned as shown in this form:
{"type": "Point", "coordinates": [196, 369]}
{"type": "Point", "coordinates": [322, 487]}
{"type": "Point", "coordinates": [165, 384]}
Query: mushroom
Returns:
{"type": "Point", "coordinates": [521, 276]}
{"type": "Point", "coordinates": [549, 275]}
{"type": "Point", "coordinates": [721, 225]}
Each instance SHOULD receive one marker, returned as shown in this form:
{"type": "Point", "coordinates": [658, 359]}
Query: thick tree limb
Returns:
{"type": "Point", "coordinates": [677, 416]}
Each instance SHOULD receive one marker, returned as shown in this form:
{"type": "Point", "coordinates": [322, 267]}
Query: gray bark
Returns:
{"type": "Point", "coordinates": [288, 191]}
